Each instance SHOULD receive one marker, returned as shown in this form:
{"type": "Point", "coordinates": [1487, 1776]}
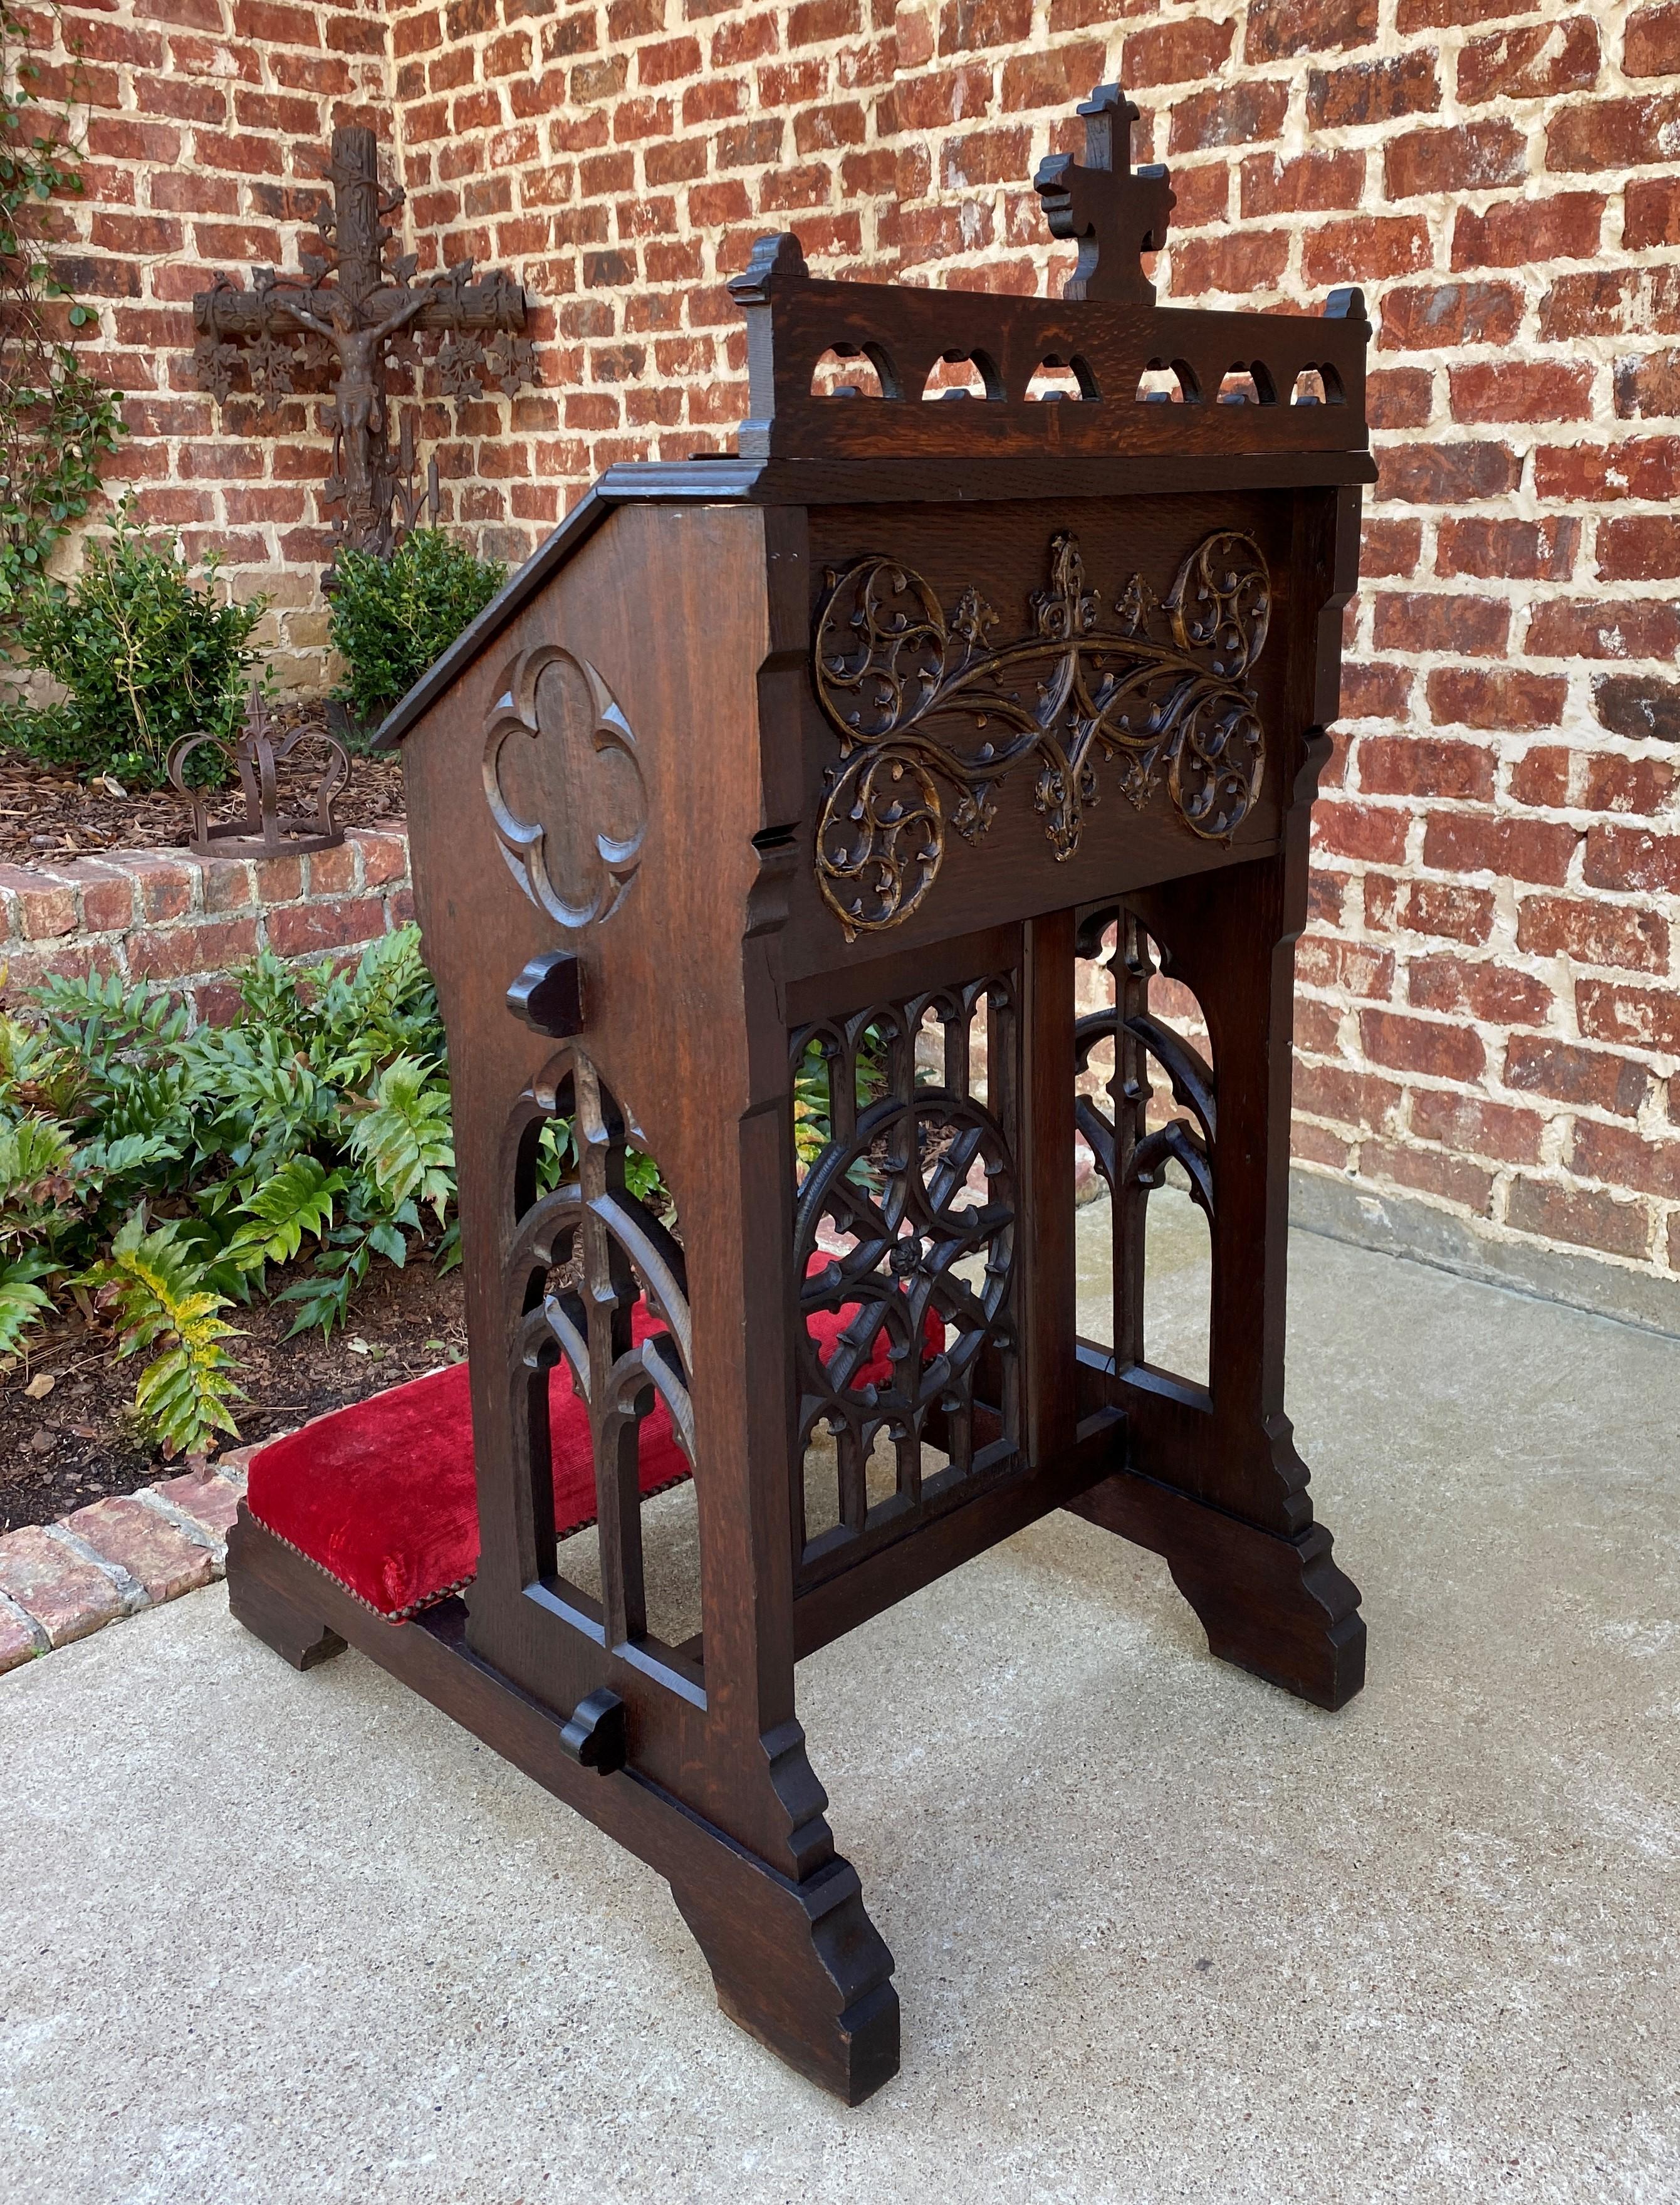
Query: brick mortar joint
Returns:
{"type": "Point", "coordinates": [12, 1610]}
{"type": "Point", "coordinates": [128, 1587]}
{"type": "Point", "coordinates": [178, 1519]}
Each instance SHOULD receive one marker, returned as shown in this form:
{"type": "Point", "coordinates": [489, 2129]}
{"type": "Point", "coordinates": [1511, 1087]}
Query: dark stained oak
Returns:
{"type": "Point", "coordinates": [758, 828]}
{"type": "Point", "coordinates": [798, 1964]}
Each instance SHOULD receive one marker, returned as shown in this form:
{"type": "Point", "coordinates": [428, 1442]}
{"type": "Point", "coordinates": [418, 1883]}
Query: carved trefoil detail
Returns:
{"type": "Point", "coordinates": [578, 864]}
{"type": "Point", "coordinates": [923, 698]}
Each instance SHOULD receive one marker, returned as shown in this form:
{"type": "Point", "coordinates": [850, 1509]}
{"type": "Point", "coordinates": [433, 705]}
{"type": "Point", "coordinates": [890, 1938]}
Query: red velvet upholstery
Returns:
{"type": "Point", "coordinates": [382, 1494]}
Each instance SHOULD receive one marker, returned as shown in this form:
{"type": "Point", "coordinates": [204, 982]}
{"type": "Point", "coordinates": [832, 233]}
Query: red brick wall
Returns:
{"type": "Point", "coordinates": [167, 916]}
{"type": "Point", "coordinates": [204, 122]}
{"type": "Point", "coordinates": [1491, 1013]}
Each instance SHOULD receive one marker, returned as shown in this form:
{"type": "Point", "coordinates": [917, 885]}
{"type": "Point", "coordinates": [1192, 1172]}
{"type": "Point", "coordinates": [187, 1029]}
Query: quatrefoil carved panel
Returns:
{"type": "Point", "coordinates": [577, 858]}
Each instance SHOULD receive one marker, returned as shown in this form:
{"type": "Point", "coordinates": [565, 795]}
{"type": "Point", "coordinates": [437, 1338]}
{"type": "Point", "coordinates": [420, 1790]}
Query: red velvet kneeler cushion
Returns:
{"type": "Point", "coordinates": [382, 1494]}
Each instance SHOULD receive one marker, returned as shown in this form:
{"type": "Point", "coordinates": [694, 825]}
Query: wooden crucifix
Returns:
{"type": "Point", "coordinates": [373, 304]}
{"type": "Point", "coordinates": [1115, 212]}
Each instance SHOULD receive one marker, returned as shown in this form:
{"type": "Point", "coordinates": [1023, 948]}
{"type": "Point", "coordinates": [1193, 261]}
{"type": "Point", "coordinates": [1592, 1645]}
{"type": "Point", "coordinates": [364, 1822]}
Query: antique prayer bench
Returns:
{"type": "Point", "coordinates": [760, 827]}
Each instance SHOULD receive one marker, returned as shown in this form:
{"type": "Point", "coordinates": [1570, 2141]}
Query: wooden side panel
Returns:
{"type": "Point", "coordinates": [679, 998]}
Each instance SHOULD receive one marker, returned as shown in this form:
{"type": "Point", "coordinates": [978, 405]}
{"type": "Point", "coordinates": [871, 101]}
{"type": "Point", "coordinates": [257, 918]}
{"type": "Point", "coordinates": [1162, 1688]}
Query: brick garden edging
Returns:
{"type": "Point", "coordinates": [169, 916]}
{"type": "Point", "coordinates": [60, 1581]}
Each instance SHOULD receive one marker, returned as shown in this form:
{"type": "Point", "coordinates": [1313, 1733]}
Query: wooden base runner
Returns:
{"type": "Point", "coordinates": [1278, 1607]}
{"type": "Point", "coordinates": [800, 1966]}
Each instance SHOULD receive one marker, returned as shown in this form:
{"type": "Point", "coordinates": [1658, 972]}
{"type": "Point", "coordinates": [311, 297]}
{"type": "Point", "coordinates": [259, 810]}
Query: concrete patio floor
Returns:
{"type": "Point", "coordinates": [1163, 1934]}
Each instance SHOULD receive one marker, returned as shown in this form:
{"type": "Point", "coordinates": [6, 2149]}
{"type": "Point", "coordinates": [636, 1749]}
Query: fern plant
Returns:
{"type": "Point", "coordinates": [185, 1393]}
{"type": "Point", "coordinates": [23, 1299]}
{"type": "Point", "coordinates": [172, 1170]}
{"type": "Point", "coordinates": [404, 1140]}
{"type": "Point", "coordinates": [296, 1203]}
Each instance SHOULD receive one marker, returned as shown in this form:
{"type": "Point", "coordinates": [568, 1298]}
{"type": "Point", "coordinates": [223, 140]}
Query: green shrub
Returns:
{"type": "Point", "coordinates": [392, 618]}
{"type": "Point", "coordinates": [146, 654]}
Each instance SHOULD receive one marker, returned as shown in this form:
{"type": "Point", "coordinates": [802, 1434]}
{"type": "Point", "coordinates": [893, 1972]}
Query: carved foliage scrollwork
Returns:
{"type": "Point", "coordinates": [583, 1255]}
{"type": "Point", "coordinates": [922, 699]}
{"type": "Point", "coordinates": [905, 1250]}
{"type": "Point", "coordinates": [585, 878]}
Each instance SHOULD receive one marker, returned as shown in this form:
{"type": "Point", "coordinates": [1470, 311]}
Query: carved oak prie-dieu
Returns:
{"type": "Point", "coordinates": [762, 831]}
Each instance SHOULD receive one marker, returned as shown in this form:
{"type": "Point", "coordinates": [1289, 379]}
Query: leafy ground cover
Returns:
{"type": "Point", "coordinates": [158, 1177]}
{"type": "Point", "coordinates": [56, 421]}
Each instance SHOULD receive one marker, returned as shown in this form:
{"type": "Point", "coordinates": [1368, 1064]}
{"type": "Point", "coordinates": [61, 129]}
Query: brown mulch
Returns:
{"type": "Point", "coordinates": [47, 813]}
{"type": "Point", "coordinates": [73, 1445]}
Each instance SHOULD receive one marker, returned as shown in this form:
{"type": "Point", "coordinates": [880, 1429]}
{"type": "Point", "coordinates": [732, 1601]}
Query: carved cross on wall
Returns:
{"type": "Point", "coordinates": [372, 306]}
{"type": "Point", "coordinates": [1115, 212]}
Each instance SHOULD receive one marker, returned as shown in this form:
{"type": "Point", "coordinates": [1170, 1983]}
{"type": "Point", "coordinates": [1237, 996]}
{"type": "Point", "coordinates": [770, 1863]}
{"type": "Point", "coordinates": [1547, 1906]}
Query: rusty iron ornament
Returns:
{"type": "Point", "coordinates": [265, 831]}
{"type": "Point", "coordinates": [360, 323]}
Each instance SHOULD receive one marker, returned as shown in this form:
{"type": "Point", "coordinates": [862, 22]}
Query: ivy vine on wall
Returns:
{"type": "Point", "coordinates": [56, 420]}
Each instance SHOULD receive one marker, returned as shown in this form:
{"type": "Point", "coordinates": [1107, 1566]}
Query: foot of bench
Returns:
{"type": "Point", "coordinates": [1276, 1606]}
{"type": "Point", "coordinates": [807, 1973]}
{"type": "Point", "coordinates": [268, 1613]}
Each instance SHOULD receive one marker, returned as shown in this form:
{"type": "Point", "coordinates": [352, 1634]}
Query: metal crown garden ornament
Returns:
{"type": "Point", "coordinates": [361, 319]}
{"type": "Point", "coordinates": [265, 831]}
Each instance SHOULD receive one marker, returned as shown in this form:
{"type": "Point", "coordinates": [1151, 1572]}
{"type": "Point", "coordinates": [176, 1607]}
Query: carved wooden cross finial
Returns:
{"type": "Point", "coordinates": [1115, 212]}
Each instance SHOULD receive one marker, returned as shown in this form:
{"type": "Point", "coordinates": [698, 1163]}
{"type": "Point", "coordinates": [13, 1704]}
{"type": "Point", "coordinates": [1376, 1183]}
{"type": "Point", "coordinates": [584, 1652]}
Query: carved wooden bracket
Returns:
{"type": "Point", "coordinates": [549, 995]}
{"type": "Point", "coordinates": [593, 1738]}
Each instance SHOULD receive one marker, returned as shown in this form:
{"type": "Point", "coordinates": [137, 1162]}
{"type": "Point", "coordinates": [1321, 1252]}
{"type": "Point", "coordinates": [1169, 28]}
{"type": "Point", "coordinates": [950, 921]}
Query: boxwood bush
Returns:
{"type": "Point", "coordinates": [392, 618]}
{"type": "Point", "coordinates": [146, 652]}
